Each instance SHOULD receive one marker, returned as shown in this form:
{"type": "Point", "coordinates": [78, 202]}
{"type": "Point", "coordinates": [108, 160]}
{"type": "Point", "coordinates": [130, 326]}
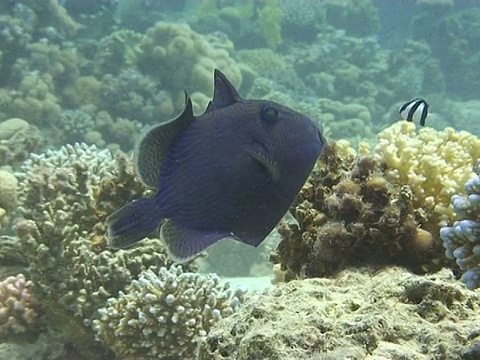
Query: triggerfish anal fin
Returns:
{"type": "Point", "coordinates": [224, 93]}
{"type": "Point", "coordinates": [183, 244]}
{"type": "Point", "coordinates": [152, 146]}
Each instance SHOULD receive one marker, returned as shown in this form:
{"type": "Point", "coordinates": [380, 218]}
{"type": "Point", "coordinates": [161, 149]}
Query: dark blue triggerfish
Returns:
{"type": "Point", "coordinates": [231, 172]}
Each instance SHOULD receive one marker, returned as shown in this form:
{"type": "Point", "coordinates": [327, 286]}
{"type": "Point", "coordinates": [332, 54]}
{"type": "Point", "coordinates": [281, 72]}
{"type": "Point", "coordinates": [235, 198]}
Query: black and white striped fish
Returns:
{"type": "Point", "coordinates": [414, 110]}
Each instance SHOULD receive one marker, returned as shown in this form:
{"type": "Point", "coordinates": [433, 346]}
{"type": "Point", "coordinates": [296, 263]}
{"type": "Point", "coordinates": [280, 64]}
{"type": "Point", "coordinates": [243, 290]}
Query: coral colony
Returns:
{"type": "Point", "coordinates": [17, 312]}
{"type": "Point", "coordinates": [462, 239]}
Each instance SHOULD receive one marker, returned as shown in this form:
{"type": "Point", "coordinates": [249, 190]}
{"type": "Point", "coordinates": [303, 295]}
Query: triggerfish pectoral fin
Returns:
{"type": "Point", "coordinates": [270, 167]}
{"type": "Point", "coordinates": [132, 223]}
{"type": "Point", "coordinates": [183, 244]}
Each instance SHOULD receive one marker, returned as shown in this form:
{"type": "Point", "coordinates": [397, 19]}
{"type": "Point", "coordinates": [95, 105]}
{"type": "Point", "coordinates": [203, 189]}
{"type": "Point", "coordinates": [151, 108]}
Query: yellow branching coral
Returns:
{"type": "Point", "coordinates": [435, 164]}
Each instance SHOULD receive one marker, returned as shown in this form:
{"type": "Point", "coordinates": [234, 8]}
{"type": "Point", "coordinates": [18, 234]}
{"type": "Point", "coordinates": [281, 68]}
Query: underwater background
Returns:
{"type": "Point", "coordinates": [379, 255]}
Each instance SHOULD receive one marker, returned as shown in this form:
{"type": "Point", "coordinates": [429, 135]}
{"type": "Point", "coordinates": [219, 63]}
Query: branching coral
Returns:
{"type": "Point", "coordinates": [434, 164]}
{"type": "Point", "coordinates": [76, 123]}
{"type": "Point", "coordinates": [17, 312]}
{"type": "Point", "coordinates": [64, 198]}
{"type": "Point", "coordinates": [165, 315]}
{"type": "Point", "coordinates": [462, 239]}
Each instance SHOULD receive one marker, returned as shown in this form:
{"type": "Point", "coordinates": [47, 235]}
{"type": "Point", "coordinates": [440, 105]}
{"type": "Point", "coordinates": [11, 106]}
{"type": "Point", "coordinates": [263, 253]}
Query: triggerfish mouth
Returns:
{"type": "Point", "coordinates": [231, 172]}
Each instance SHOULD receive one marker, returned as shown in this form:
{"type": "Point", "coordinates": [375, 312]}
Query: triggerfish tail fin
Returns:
{"type": "Point", "coordinates": [132, 223]}
{"type": "Point", "coordinates": [183, 244]}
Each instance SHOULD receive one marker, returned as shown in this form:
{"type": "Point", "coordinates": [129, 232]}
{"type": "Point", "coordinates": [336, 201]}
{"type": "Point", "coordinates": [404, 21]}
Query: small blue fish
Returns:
{"type": "Point", "coordinates": [231, 172]}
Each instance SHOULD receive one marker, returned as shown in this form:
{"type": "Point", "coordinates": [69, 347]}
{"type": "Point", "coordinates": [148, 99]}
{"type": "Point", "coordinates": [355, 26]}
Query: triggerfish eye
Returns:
{"type": "Point", "coordinates": [269, 113]}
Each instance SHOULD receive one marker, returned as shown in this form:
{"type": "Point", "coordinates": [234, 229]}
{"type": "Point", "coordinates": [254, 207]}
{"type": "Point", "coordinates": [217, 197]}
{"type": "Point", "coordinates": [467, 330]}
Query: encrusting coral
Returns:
{"type": "Point", "coordinates": [362, 209]}
{"type": "Point", "coordinates": [164, 315]}
{"type": "Point", "coordinates": [17, 312]}
{"type": "Point", "coordinates": [462, 239]}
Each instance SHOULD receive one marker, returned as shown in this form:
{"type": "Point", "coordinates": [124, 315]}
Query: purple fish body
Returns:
{"type": "Point", "coordinates": [231, 172]}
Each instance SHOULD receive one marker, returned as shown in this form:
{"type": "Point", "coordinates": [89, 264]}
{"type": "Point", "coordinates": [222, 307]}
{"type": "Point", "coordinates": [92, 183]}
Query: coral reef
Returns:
{"type": "Point", "coordinates": [17, 312]}
{"type": "Point", "coordinates": [64, 198]}
{"type": "Point", "coordinates": [352, 121]}
{"type": "Point", "coordinates": [126, 43]}
{"type": "Point", "coordinates": [381, 208]}
{"type": "Point", "coordinates": [118, 51]}
{"type": "Point", "coordinates": [50, 11]}
{"type": "Point", "coordinates": [359, 18]}
{"type": "Point", "coordinates": [270, 25]}
{"type": "Point", "coordinates": [35, 102]}
{"type": "Point", "coordinates": [300, 17]}
{"type": "Point", "coordinates": [462, 239]}
{"type": "Point", "coordinates": [75, 124]}
{"type": "Point", "coordinates": [18, 140]}
{"type": "Point", "coordinates": [9, 127]}
{"type": "Point", "coordinates": [349, 214]}
{"type": "Point", "coordinates": [8, 196]}
{"type": "Point", "coordinates": [164, 315]}
{"type": "Point", "coordinates": [180, 59]}
{"type": "Point", "coordinates": [390, 315]}
{"type": "Point", "coordinates": [134, 96]}
{"type": "Point", "coordinates": [434, 164]}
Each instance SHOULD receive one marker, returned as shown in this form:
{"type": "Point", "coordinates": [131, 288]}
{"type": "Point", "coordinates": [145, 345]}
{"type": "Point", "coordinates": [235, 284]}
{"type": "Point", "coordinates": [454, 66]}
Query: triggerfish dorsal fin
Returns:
{"type": "Point", "coordinates": [153, 143]}
{"type": "Point", "coordinates": [224, 93]}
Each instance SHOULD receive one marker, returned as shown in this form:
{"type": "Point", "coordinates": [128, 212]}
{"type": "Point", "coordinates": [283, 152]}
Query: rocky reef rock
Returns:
{"type": "Point", "coordinates": [390, 315]}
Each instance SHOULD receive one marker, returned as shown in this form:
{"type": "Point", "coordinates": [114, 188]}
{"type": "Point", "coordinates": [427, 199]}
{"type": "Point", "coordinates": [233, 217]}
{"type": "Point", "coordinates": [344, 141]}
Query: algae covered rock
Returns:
{"type": "Point", "coordinates": [391, 315]}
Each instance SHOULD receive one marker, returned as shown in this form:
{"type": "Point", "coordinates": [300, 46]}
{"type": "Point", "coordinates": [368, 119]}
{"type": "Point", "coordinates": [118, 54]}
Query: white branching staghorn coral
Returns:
{"type": "Point", "coordinates": [165, 315]}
